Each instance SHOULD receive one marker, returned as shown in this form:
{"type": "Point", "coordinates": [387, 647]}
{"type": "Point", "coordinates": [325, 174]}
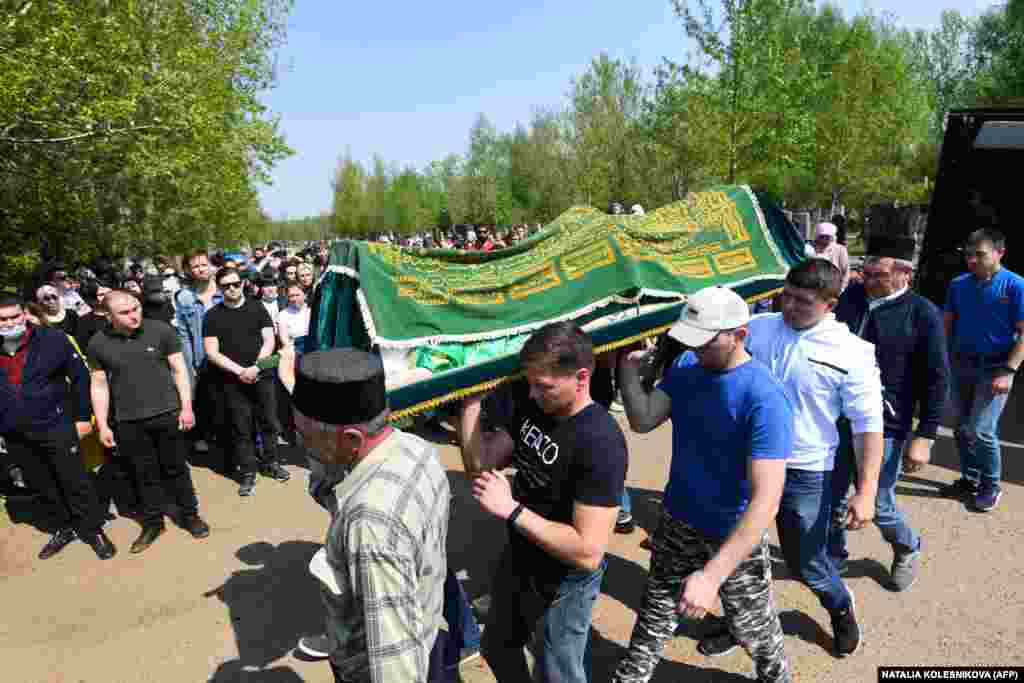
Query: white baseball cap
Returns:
{"type": "Point", "coordinates": [707, 313]}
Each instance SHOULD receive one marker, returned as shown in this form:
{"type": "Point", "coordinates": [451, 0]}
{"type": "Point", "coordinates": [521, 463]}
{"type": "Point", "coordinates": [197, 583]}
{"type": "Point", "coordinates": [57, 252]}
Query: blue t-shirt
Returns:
{"type": "Point", "coordinates": [720, 420]}
{"type": "Point", "coordinates": [986, 313]}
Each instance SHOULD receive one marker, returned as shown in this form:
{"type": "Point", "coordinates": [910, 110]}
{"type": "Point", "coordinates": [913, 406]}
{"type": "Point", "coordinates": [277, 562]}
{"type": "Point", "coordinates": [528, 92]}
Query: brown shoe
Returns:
{"type": "Point", "coordinates": [147, 537]}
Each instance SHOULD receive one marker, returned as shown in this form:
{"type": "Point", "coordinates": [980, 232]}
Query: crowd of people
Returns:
{"type": "Point", "coordinates": [803, 418]}
{"type": "Point", "coordinates": [462, 238]}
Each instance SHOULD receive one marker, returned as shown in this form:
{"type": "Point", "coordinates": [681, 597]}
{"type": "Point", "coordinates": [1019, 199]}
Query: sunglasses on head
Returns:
{"type": "Point", "coordinates": [237, 284]}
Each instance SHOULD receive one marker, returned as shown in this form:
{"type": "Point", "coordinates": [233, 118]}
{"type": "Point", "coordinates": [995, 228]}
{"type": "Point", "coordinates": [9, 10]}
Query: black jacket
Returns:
{"type": "Point", "coordinates": [53, 371]}
{"type": "Point", "coordinates": [910, 345]}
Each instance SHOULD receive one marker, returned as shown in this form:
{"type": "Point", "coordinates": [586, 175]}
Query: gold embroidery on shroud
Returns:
{"type": "Point", "coordinates": [734, 261]}
{"type": "Point", "coordinates": [597, 256]}
{"type": "Point", "coordinates": [538, 281]}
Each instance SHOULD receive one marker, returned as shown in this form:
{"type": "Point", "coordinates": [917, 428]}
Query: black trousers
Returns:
{"type": "Point", "coordinates": [158, 452]}
{"type": "Point", "coordinates": [52, 465]}
{"type": "Point", "coordinates": [208, 406]}
{"type": "Point", "coordinates": [250, 407]}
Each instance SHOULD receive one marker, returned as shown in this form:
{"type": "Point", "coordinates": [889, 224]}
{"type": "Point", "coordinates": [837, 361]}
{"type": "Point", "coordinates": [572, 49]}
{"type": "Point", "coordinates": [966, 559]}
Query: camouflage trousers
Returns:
{"type": "Point", "coordinates": [678, 551]}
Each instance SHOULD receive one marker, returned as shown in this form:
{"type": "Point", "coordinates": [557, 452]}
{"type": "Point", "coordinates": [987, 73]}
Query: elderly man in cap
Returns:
{"type": "Point", "coordinates": [383, 566]}
{"type": "Point", "coordinates": [825, 246]}
{"type": "Point", "coordinates": [732, 430]}
{"type": "Point", "coordinates": [910, 346]}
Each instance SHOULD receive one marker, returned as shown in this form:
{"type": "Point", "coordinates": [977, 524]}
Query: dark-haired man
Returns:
{"type": "Point", "coordinates": [41, 374]}
{"type": "Point", "coordinates": [237, 334]}
{"type": "Point", "coordinates": [910, 347]}
{"type": "Point", "coordinates": [985, 320]}
{"type": "Point", "coordinates": [571, 460]}
{"type": "Point", "coordinates": [191, 305]}
{"type": "Point", "coordinates": [139, 375]}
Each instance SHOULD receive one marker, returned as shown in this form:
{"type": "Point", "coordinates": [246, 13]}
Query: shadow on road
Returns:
{"type": "Point", "coordinates": [271, 606]}
{"type": "Point", "coordinates": [605, 656]}
{"type": "Point", "coordinates": [235, 672]}
{"type": "Point", "coordinates": [798, 624]}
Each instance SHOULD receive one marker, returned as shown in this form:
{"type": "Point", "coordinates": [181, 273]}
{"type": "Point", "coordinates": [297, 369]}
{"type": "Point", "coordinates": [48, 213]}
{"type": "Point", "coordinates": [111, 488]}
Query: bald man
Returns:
{"type": "Point", "coordinates": [139, 375]}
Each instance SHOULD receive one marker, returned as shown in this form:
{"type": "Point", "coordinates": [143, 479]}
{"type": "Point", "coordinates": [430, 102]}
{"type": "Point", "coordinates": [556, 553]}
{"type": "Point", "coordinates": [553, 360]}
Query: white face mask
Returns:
{"type": "Point", "coordinates": [12, 333]}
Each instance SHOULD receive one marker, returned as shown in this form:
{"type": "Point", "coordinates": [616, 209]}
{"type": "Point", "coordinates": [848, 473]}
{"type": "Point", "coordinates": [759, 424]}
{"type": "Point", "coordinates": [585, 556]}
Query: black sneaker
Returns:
{"type": "Point", "coordinates": [317, 647]}
{"type": "Point", "coordinates": [248, 485]}
{"type": "Point", "coordinates": [987, 497]}
{"type": "Point", "coordinates": [57, 542]}
{"type": "Point", "coordinates": [624, 524]}
{"type": "Point", "coordinates": [717, 644]}
{"type": "Point", "coordinates": [276, 472]}
{"type": "Point", "coordinates": [845, 629]}
{"type": "Point", "coordinates": [196, 526]}
{"type": "Point", "coordinates": [101, 545]}
{"type": "Point", "coordinates": [960, 489]}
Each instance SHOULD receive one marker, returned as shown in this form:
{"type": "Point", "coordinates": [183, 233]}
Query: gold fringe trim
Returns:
{"type": "Point", "coordinates": [460, 394]}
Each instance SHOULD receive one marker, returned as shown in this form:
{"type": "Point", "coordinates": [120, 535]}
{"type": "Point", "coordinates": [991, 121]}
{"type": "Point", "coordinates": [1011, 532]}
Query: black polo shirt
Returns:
{"type": "Point", "coordinates": [140, 378]}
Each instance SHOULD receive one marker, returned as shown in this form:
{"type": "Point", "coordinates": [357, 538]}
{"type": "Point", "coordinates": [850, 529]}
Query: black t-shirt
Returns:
{"type": "Point", "coordinates": [88, 325]}
{"type": "Point", "coordinates": [239, 331]}
{"type": "Point", "coordinates": [140, 378]}
{"type": "Point", "coordinates": [69, 325]}
{"type": "Point", "coordinates": [560, 462]}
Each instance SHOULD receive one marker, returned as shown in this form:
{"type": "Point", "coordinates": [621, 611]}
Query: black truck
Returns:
{"type": "Point", "coordinates": [976, 186]}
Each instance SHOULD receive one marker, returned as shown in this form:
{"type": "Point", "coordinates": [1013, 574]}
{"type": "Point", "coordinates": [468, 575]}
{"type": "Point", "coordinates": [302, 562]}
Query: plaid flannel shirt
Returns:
{"type": "Point", "coordinates": [383, 566]}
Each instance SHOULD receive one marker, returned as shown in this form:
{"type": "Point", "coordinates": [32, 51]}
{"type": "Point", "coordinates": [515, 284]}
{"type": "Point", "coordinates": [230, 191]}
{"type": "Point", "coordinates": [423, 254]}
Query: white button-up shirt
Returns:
{"type": "Point", "coordinates": [826, 371]}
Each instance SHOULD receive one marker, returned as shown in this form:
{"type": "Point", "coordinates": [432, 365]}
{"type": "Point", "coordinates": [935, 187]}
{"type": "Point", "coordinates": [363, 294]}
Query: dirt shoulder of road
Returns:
{"type": "Point", "coordinates": [231, 607]}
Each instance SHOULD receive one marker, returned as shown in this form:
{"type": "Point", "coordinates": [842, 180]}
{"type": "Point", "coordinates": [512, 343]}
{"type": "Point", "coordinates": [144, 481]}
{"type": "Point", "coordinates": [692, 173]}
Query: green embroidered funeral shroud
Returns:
{"type": "Point", "coordinates": [625, 276]}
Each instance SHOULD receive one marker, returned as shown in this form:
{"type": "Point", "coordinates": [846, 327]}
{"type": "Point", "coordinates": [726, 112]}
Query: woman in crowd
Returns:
{"type": "Point", "coordinates": [52, 310]}
{"type": "Point", "coordinates": [293, 321]}
{"type": "Point", "coordinates": [305, 277]}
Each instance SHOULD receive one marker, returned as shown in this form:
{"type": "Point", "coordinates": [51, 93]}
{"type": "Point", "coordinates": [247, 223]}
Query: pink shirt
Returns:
{"type": "Point", "coordinates": [840, 258]}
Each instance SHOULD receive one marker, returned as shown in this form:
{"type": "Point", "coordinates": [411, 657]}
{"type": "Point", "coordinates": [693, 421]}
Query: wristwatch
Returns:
{"type": "Point", "coordinates": [511, 521]}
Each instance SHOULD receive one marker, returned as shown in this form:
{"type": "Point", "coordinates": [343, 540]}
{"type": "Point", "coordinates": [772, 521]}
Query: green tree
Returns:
{"type": "Point", "coordinates": [348, 206]}
{"type": "Point", "coordinates": [943, 57]}
{"type": "Point", "coordinates": [605, 104]}
{"type": "Point", "coordinates": [135, 123]}
{"type": "Point", "coordinates": [751, 77]}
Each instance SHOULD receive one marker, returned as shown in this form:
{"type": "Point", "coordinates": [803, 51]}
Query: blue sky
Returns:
{"type": "Point", "coordinates": [406, 80]}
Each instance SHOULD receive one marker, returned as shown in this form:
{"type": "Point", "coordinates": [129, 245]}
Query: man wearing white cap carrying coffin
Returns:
{"type": "Point", "coordinates": [732, 430]}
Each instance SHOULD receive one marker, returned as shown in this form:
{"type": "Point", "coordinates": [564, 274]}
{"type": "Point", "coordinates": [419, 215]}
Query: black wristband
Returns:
{"type": "Point", "coordinates": [511, 521]}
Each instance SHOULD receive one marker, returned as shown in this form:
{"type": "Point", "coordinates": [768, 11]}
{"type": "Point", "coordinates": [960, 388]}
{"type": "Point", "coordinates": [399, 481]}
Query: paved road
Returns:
{"type": "Point", "coordinates": [230, 608]}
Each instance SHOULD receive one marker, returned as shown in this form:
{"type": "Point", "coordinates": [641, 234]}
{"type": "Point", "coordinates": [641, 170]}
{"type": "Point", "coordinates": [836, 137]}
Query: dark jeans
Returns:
{"type": "Point", "coordinates": [517, 604]}
{"type": "Point", "coordinates": [465, 632]}
{"type": "Point", "coordinates": [889, 520]}
{"type": "Point", "coordinates": [247, 405]}
{"type": "Point", "coordinates": [158, 452]}
{"type": "Point", "coordinates": [977, 429]}
{"type": "Point", "coordinates": [803, 521]}
{"type": "Point", "coordinates": [52, 465]}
